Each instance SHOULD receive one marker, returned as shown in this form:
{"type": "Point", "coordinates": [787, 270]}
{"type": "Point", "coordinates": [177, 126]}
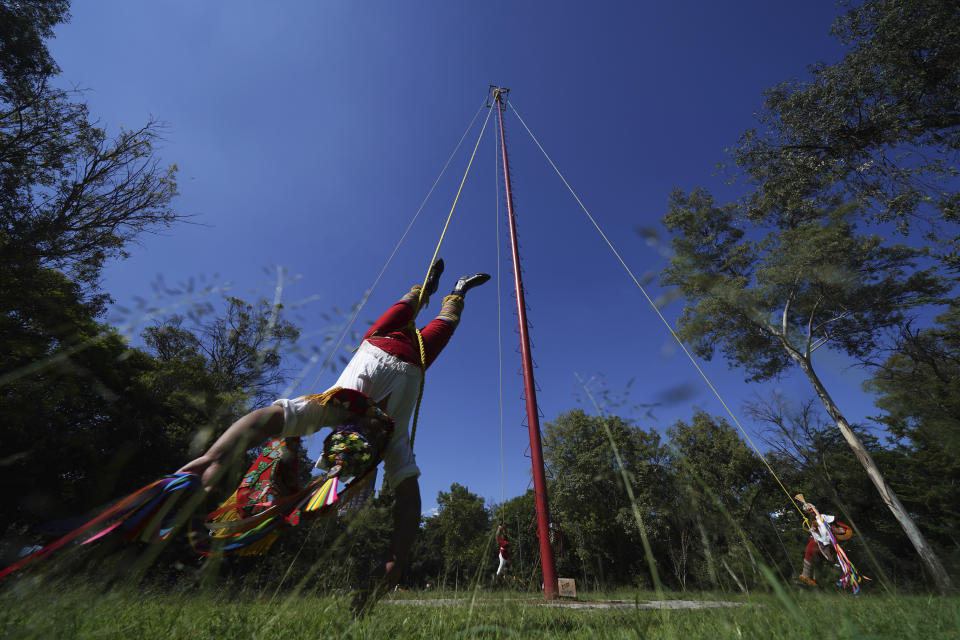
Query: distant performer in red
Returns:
{"type": "Point", "coordinates": [504, 551]}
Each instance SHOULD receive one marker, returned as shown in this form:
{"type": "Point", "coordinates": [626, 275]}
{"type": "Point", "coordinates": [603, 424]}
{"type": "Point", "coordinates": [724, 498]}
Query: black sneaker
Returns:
{"type": "Point", "coordinates": [433, 278]}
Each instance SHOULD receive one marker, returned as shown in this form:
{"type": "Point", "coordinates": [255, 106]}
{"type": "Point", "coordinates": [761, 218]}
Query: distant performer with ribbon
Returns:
{"type": "Point", "coordinates": [826, 533]}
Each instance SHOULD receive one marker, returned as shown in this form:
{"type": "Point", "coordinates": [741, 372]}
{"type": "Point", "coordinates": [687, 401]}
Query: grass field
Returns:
{"type": "Point", "coordinates": [48, 611]}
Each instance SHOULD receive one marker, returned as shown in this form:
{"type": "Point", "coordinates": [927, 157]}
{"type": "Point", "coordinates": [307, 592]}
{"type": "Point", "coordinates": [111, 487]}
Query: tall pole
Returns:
{"type": "Point", "coordinates": [533, 416]}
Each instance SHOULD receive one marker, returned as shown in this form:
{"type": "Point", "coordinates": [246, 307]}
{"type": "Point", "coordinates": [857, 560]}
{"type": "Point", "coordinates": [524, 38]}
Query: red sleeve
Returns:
{"type": "Point", "coordinates": [394, 319]}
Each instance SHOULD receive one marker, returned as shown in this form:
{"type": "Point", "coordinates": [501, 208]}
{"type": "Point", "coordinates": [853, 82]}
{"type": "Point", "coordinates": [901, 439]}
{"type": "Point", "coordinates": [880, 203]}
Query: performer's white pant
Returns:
{"type": "Point", "coordinates": [378, 375]}
{"type": "Point", "coordinates": [503, 565]}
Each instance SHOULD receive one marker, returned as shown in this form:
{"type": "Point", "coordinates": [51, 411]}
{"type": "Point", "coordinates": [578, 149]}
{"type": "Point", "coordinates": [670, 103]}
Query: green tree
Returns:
{"type": "Point", "coordinates": [220, 368]}
{"type": "Point", "coordinates": [69, 199]}
{"type": "Point", "coordinates": [589, 495]}
{"type": "Point", "coordinates": [426, 560]}
{"type": "Point", "coordinates": [460, 534]}
{"type": "Point", "coordinates": [721, 498]}
{"type": "Point", "coordinates": [209, 372]}
{"type": "Point", "coordinates": [24, 58]}
{"type": "Point", "coordinates": [917, 392]}
{"type": "Point", "coordinates": [807, 281]}
{"type": "Point", "coordinates": [100, 421]}
{"type": "Point", "coordinates": [70, 196]}
{"type": "Point", "coordinates": [880, 125]}
{"type": "Point", "coordinates": [71, 416]}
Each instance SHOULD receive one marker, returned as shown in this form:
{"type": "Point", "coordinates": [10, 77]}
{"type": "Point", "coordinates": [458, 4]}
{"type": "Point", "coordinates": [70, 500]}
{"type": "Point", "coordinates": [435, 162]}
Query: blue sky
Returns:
{"type": "Point", "coordinates": [308, 133]}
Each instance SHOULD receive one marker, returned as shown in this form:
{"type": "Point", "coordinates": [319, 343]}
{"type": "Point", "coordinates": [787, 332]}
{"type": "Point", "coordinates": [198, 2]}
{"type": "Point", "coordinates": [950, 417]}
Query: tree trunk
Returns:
{"type": "Point", "coordinates": [733, 575]}
{"type": "Point", "coordinates": [939, 574]}
{"type": "Point", "coordinates": [707, 552]}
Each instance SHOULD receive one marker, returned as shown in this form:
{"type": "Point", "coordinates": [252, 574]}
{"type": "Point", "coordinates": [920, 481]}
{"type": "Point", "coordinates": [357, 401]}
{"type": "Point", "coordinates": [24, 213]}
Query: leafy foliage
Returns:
{"type": "Point", "coordinates": [240, 350]}
{"type": "Point", "coordinates": [882, 125]}
{"type": "Point", "coordinates": [456, 541]}
{"type": "Point", "coordinates": [86, 417]}
{"type": "Point", "coordinates": [70, 197]}
{"type": "Point", "coordinates": [917, 391]}
{"type": "Point", "coordinates": [24, 25]}
{"type": "Point", "coordinates": [806, 283]}
{"type": "Point", "coordinates": [589, 499]}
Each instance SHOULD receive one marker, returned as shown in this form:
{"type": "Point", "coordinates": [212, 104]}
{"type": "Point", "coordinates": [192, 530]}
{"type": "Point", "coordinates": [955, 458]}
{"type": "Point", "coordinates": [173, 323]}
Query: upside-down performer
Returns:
{"type": "Point", "coordinates": [387, 369]}
{"type": "Point", "coordinates": [826, 532]}
{"type": "Point", "coordinates": [370, 407]}
{"type": "Point", "coordinates": [504, 553]}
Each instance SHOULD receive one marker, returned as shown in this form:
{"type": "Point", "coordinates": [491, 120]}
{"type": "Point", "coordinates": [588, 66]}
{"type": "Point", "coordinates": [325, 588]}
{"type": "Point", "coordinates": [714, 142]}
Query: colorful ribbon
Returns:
{"type": "Point", "coordinates": [147, 514]}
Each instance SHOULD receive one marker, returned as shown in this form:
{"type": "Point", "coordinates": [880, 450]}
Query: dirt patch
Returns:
{"type": "Point", "coordinates": [575, 604]}
{"type": "Point", "coordinates": [643, 604]}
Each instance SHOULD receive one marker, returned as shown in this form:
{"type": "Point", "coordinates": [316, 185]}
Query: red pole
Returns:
{"type": "Point", "coordinates": [533, 416]}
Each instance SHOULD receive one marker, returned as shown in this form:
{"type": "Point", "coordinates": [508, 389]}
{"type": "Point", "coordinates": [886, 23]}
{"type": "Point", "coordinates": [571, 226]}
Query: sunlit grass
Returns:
{"type": "Point", "coordinates": [48, 610]}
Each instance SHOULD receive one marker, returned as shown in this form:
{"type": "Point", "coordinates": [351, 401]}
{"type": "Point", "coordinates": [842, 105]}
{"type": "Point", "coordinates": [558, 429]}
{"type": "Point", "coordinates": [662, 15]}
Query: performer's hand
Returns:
{"type": "Point", "coordinates": [208, 468]}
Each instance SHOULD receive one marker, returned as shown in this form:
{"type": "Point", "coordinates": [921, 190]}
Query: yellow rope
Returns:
{"type": "Point", "coordinates": [660, 315]}
{"type": "Point", "coordinates": [383, 270]}
{"type": "Point", "coordinates": [423, 377]}
{"type": "Point", "coordinates": [423, 289]}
